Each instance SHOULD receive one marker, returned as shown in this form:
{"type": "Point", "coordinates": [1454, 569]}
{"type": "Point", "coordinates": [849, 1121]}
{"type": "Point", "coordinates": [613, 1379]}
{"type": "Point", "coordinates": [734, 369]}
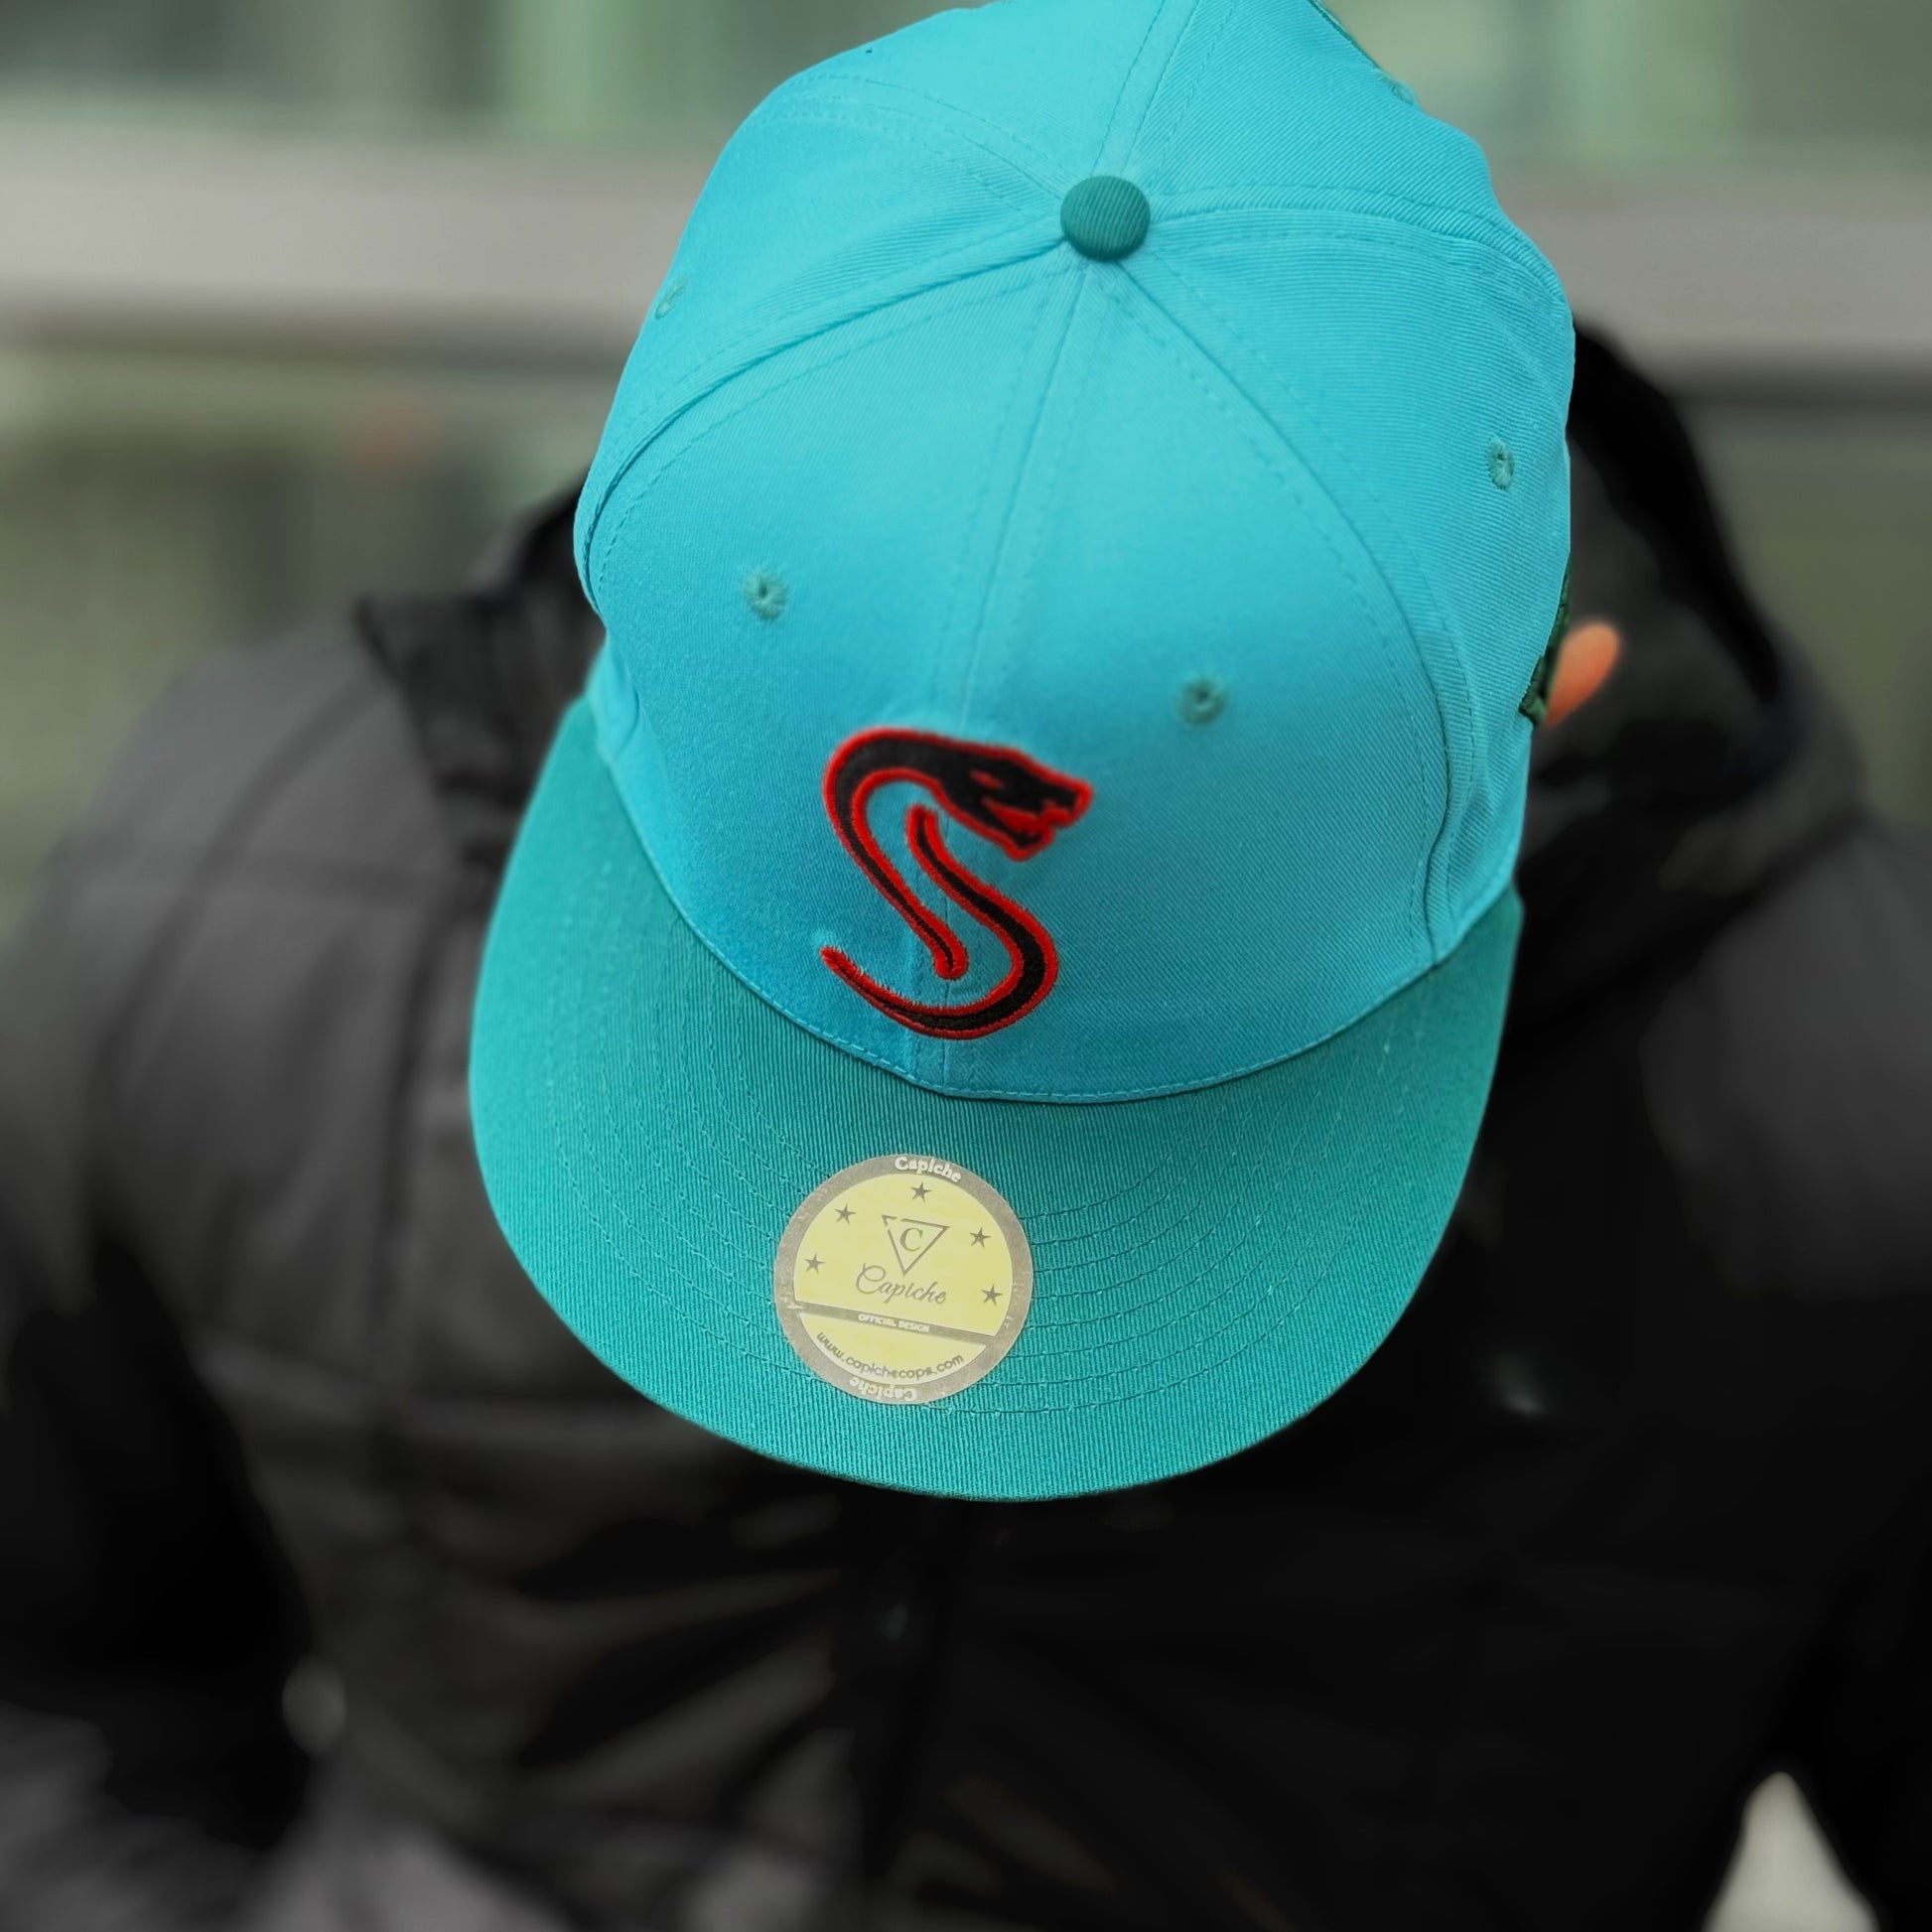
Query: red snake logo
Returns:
{"type": "Point", "coordinates": [1000, 794]}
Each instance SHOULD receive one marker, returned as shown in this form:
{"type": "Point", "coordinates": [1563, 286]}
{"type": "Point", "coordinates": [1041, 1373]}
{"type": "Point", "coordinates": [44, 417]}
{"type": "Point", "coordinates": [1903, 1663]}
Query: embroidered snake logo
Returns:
{"type": "Point", "coordinates": [1001, 796]}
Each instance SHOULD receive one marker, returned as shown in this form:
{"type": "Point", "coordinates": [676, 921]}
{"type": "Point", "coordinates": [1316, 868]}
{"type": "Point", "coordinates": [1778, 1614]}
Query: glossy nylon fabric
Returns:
{"type": "Point", "coordinates": [1025, 499]}
{"type": "Point", "coordinates": [1209, 1266]}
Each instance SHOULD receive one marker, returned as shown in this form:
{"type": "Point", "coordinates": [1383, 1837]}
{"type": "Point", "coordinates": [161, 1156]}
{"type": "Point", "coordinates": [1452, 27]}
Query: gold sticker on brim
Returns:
{"type": "Point", "coordinates": [904, 1280]}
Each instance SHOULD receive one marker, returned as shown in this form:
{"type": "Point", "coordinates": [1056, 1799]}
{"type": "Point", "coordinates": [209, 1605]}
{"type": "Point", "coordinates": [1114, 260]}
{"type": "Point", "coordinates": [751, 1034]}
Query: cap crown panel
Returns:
{"type": "Point", "coordinates": [994, 491]}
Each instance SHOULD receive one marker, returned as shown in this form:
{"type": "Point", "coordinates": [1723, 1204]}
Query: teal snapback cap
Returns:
{"type": "Point", "coordinates": [997, 988]}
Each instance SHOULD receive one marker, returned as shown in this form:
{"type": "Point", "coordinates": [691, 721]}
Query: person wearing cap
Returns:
{"type": "Point", "coordinates": [1206, 1304]}
{"type": "Point", "coordinates": [1051, 790]}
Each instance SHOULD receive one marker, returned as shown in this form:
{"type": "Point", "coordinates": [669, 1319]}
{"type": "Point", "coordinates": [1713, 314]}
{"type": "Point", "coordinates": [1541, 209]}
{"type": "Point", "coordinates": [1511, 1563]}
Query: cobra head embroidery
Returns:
{"type": "Point", "coordinates": [1001, 796]}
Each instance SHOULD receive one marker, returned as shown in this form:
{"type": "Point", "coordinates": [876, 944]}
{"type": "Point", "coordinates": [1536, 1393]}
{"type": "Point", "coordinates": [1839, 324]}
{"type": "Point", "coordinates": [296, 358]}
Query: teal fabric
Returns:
{"type": "Point", "coordinates": [1025, 499]}
{"type": "Point", "coordinates": [1209, 1266]}
{"type": "Point", "coordinates": [1106, 219]}
{"type": "Point", "coordinates": [1212, 530]}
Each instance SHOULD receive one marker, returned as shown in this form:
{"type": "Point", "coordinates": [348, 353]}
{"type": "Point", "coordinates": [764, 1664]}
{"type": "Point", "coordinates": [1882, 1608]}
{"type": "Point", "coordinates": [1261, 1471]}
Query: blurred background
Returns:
{"type": "Point", "coordinates": [299, 300]}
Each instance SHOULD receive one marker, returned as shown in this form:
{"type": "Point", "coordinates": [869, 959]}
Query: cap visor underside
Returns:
{"type": "Point", "coordinates": [1209, 1266]}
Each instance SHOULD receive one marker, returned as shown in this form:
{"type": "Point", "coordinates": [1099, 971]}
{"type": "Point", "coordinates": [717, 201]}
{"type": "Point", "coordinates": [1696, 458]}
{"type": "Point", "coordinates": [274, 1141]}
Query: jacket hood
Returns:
{"type": "Point", "coordinates": [1711, 763]}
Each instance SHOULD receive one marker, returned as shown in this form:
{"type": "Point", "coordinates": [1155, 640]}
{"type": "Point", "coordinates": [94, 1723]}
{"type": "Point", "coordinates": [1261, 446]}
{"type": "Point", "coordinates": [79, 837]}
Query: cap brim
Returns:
{"type": "Point", "coordinates": [1209, 1266]}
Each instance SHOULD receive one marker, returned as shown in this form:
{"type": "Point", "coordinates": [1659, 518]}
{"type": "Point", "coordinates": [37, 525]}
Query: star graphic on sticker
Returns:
{"type": "Point", "coordinates": [919, 1192]}
{"type": "Point", "coordinates": [811, 1264]}
{"type": "Point", "coordinates": [979, 1240]}
{"type": "Point", "coordinates": [992, 1294]}
{"type": "Point", "coordinates": [845, 1213]}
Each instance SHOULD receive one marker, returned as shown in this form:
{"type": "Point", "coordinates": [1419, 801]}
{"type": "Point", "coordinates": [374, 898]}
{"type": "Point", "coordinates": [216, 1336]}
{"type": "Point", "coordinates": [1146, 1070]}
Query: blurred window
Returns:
{"type": "Point", "coordinates": [158, 505]}
{"type": "Point", "coordinates": [300, 300]}
{"type": "Point", "coordinates": [655, 73]}
{"type": "Point", "coordinates": [1638, 84]}
{"type": "Point", "coordinates": [1661, 87]}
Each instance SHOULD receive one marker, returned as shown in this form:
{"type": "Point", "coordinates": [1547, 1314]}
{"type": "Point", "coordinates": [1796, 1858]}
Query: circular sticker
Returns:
{"type": "Point", "coordinates": [904, 1280]}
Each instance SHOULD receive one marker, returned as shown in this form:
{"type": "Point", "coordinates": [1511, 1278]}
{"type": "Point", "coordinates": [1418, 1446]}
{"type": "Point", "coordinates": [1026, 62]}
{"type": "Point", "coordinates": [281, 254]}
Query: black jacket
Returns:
{"type": "Point", "coordinates": [1635, 1506]}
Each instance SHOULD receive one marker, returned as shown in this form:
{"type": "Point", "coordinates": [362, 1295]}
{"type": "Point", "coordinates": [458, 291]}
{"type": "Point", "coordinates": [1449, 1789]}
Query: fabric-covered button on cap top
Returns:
{"type": "Point", "coordinates": [1106, 219]}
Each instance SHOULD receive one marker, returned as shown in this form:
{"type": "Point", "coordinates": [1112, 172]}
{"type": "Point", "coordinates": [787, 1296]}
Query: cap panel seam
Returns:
{"type": "Point", "coordinates": [717, 368]}
{"type": "Point", "coordinates": [1155, 155]}
{"type": "Point", "coordinates": [622, 476]}
{"type": "Point", "coordinates": [970, 669]}
{"type": "Point", "coordinates": [1418, 907]}
{"type": "Point", "coordinates": [910, 131]}
{"type": "Point", "coordinates": [1000, 541]}
{"type": "Point", "coordinates": [871, 84]}
{"type": "Point", "coordinates": [970, 692]}
{"type": "Point", "coordinates": [1127, 79]}
{"type": "Point", "coordinates": [973, 523]}
{"type": "Point", "coordinates": [640, 487]}
{"type": "Point", "coordinates": [1161, 81]}
{"type": "Point", "coordinates": [708, 376]}
{"type": "Point", "coordinates": [969, 674]}
{"type": "Point", "coordinates": [1400, 224]}
{"type": "Point", "coordinates": [1458, 737]}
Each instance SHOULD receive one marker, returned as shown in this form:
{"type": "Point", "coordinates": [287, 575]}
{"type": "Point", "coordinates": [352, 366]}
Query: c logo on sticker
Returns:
{"type": "Point", "coordinates": [1001, 796]}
